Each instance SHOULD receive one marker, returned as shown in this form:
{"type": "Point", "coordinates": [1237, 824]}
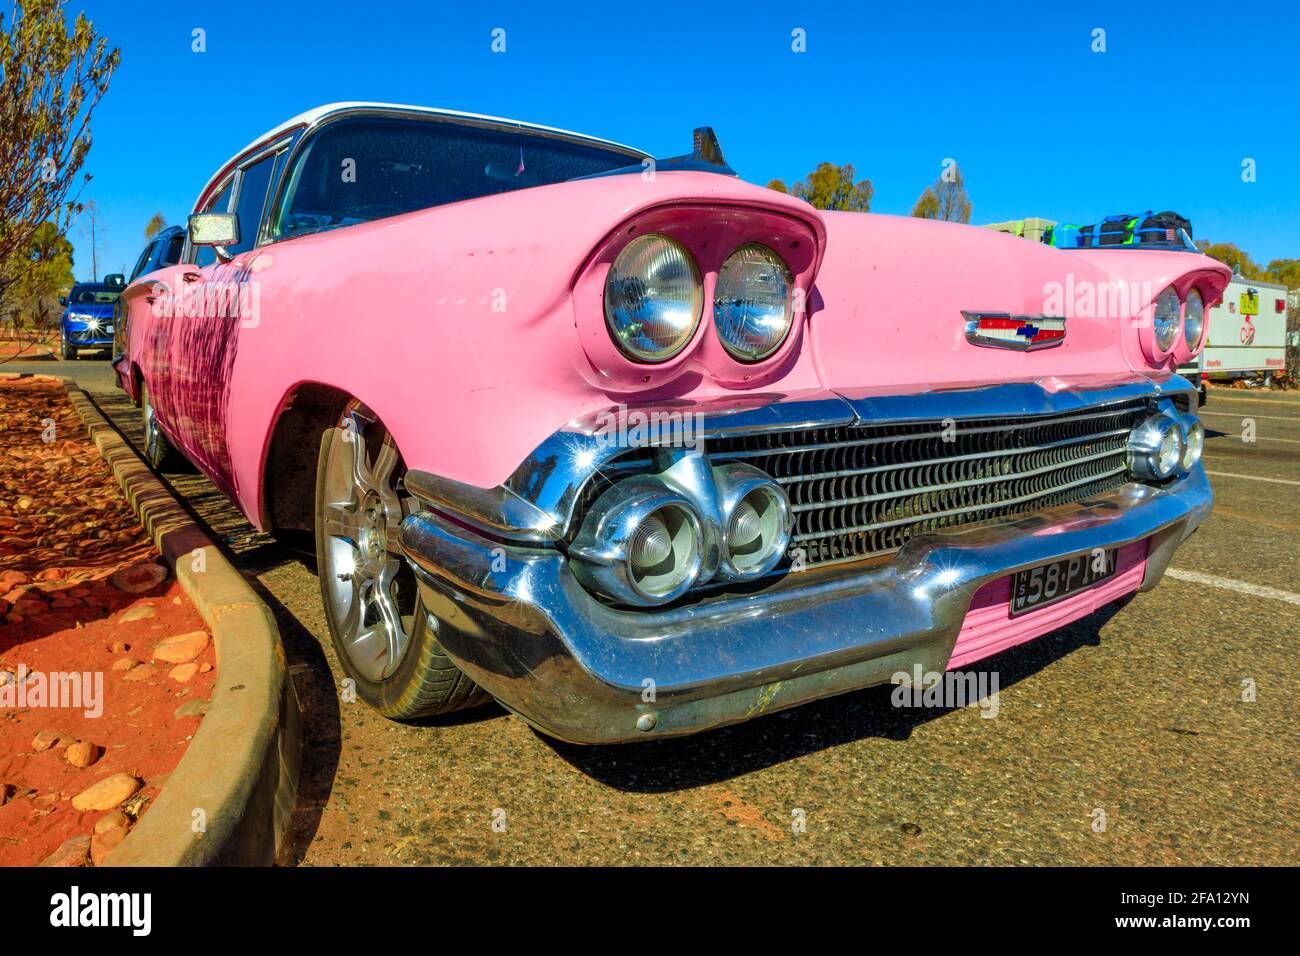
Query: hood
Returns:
{"type": "Point", "coordinates": [892, 290]}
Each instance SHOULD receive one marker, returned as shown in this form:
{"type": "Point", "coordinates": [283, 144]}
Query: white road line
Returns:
{"type": "Point", "coordinates": [1257, 401]}
{"type": "Point", "coordinates": [1228, 584]}
{"type": "Point", "coordinates": [1289, 441]}
{"type": "Point", "coordinates": [1271, 418]}
{"type": "Point", "coordinates": [1233, 474]}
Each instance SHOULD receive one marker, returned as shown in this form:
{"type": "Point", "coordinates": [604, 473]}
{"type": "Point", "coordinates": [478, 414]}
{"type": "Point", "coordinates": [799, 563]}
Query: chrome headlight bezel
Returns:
{"type": "Point", "coordinates": [1155, 448]}
{"type": "Point", "coordinates": [603, 552]}
{"type": "Point", "coordinates": [620, 323]}
{"type": "Point", "coordinates": [730, 330]}
{"type": "Point", "coordinates": [743, 486]}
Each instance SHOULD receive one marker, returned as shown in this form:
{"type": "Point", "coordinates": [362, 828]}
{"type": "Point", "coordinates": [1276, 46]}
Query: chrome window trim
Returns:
{"type": "Point", "coordinates": [311, 129]}
{"type": "Point", "coordinates": [234, 169]}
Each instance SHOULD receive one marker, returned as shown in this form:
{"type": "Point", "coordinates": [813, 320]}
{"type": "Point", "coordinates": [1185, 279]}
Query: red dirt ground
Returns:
{"type": "Point", "coordinates": [28, 346]}
{"type": "Point", "coordinates": [64, 530]}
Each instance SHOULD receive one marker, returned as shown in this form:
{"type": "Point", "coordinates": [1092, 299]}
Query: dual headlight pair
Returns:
{"type": "Point", "coordinates": [645, 542]}
{"type": "Point", "coordinates": [1169, 313]}
{"type": "Point", "coordinates": [654, 299]}
{"type": "Point", "coordinates": [1165, 444]}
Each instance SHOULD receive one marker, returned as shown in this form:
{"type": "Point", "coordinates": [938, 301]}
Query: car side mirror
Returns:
{"type": "Point", "coordinates": [115, 280]}
{"type": "Point", "coordinates": [63, 301]}
{"type": "Point", "coordinates": [218, 229]}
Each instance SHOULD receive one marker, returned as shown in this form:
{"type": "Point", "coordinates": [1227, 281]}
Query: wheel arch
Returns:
{"type": "Point", "coordinates": [288, 493]}
{"type": "Point", "coordinates": [137, 379]}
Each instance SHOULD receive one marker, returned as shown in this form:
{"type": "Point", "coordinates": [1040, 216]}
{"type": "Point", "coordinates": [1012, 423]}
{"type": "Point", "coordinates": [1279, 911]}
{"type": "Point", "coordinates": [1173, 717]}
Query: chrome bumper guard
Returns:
{"type": "Point", "coordinates": [518, 622]}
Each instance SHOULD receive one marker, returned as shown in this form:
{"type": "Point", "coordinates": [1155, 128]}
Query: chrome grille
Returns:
{"type": "Point", "coordinates": [863, 490]}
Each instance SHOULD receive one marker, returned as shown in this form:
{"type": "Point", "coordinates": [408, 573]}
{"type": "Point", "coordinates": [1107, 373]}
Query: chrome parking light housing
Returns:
{"type": "Point", "coordinates": [640, 544]}
{"type": "Point", "coordinates": [1194, 441]}
{"type": "Point", "coordinates": [756, 521]}
{"type": "Point", "coordinates": [1155, 449]}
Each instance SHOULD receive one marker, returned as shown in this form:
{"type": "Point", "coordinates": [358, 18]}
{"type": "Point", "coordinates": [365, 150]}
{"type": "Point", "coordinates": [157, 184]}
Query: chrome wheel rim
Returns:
{"type": "Point", "coordinates": [370, 589]}
{"type": "Point", "coordinates": [150, 428]}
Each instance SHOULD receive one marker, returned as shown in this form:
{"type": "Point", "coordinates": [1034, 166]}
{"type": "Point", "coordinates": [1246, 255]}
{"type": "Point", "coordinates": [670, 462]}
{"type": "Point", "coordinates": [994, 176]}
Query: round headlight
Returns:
{"type": "Point", "coordinates": [653, 298]}
{"type": "Point", "coordinates": [1170, 453]}
{"type": "Point", "coordinates": [751, 302]}
{"type": "Point", "coordinates": [664, 555]}
{"type": "Point", "coordinates": [1193, 319]}
{"type": "Point", "coordinates": [1195, 442]}
{"type": "Point", "coordinates": [1166, 319]}
{"type": "Point", "coordinates": [641, 544]}
{"type": "Point", "coordinates": [1155, 448]}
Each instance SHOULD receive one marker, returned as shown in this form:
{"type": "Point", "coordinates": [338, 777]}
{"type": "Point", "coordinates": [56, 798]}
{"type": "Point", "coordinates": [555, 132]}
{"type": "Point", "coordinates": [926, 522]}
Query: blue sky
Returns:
{"type": "Point", "coordinates": [1039, 124]}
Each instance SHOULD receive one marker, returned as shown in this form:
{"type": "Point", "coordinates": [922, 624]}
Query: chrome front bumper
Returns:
{"type": "Point", "coordinates": [516, 620]}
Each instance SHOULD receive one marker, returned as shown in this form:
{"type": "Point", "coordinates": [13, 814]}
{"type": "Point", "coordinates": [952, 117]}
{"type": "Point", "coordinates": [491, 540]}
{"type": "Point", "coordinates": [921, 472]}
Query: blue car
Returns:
{"type": "Point", "coordinates": [87, 321]}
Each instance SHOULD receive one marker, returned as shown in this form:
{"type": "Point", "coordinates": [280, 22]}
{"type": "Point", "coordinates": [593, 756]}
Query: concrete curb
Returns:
{"type": "Point", "coordinates": [241, 768]}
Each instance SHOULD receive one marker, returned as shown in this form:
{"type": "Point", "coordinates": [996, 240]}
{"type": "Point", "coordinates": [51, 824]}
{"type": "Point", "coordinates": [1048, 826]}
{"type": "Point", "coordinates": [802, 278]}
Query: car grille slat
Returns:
{"type": "Point", "coordinates": [863, 490]}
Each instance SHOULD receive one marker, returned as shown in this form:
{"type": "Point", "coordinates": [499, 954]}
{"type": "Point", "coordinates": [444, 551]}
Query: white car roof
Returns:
{"type": "Point", "coordinates": [312, 115]}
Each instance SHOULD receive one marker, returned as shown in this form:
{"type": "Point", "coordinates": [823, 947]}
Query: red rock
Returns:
{"type": "Point", "coordinates": [45, 740]}
{"type": "Point", "coordinates": [181, 648]}
{"type": "Point", "coordinates": [72, 852]}
{"type": "Point", "coordinates": [107, 793]}
{"type": "Point", "coordinates": [125, 664]}
{"type": "Point", "coordinates": [81, 754]}
{"type": "Point", "coordinates": [142, 672]}
{"type": "Point", "coordinates": [182, 673]}
{"type": "Point", "coordinates": [137, 613]}
{"type": "Point", "coordinates": [112, 820]}
{"type": "Point", "coordinates": [138, 578]}
{"type": "Point", "coordinates": [102, 844]}
{"type": "Point", "coordinates": [11, 579]}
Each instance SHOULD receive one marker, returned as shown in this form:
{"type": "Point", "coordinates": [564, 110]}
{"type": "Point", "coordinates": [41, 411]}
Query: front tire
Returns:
{"type": "Point", "coordinates": [158, 451]}
{"type": "Point", "coordinates": [386, 640]}
{"type": "Point", "coordinates": [66, 350]}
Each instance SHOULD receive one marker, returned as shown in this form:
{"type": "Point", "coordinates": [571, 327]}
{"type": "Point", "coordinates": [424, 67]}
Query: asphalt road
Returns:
{"type": "Point", "coordinates": [1133, 718]}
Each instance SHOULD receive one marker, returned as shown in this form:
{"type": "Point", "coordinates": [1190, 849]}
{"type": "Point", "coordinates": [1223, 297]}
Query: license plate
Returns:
{"type": "Point", "coordinates": [1048, 583]}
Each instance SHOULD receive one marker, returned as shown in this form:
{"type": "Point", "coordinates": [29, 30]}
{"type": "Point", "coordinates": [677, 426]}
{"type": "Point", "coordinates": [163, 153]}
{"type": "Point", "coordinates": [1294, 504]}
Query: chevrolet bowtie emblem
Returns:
{"type": "Point", "coordinates": [1024, 333]}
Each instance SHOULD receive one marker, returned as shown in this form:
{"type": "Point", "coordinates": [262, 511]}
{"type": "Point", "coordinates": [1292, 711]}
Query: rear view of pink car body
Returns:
{"type": "Point", "coordinates": [639, 449]}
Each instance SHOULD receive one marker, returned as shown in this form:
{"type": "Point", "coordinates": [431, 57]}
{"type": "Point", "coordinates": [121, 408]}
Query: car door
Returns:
{"type": "Point", "coordinates": [203, 344]}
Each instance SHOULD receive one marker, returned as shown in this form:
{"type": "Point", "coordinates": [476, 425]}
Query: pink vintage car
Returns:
{"type": "Point", "coordinates": [639, 449]}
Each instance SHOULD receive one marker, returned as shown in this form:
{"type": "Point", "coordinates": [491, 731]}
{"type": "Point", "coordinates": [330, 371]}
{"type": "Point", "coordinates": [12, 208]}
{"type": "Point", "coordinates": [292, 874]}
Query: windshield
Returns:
{"type": "Point", "coordinates": [93, 293]}
{"type": "Point", "coordinates": [367, 168]}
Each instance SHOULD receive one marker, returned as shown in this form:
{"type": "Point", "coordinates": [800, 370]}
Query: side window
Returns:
{"type": "Point", "coordinates": [253, 185]}
{"type": "Point", "coordinates": [203, 255]}
{"type": "Point", "coordinates": [172, 254]}
{"type": "Point", "coordinates": [141, 262]}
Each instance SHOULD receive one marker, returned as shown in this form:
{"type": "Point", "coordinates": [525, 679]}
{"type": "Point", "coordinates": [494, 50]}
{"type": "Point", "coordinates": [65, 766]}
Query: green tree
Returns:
{"type": "Point", "coordinates": [39, 275]}
{"type": "Point", "coordinates": [831, 187]}
{"type": "Point", "coordinates": [946, 199]}
{"type": "Point", "coordinates": [1285, 271]}
{"type": "Point", "coordinates": [155, 225]}
{"type": "Point", "coordinates": [52, 75]}
{"type": "Point", "coordinates": [1230, 255]}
